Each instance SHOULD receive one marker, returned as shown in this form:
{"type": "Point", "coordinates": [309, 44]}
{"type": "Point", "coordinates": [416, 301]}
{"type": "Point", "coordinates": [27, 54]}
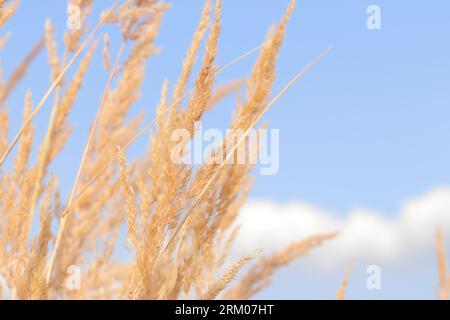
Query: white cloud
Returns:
{"type": "Point", "coordinates": [365, 234]}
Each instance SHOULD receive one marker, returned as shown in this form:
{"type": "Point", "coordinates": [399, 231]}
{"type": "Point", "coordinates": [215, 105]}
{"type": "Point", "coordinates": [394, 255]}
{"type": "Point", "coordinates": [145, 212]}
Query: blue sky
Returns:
{"type": "Point", "coordinates": [368, 127]}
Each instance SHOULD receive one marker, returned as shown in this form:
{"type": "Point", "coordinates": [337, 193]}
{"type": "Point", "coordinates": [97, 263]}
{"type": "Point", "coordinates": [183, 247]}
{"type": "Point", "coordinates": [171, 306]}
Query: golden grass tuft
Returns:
{"type": "Point", "coordinates": [180, 219]}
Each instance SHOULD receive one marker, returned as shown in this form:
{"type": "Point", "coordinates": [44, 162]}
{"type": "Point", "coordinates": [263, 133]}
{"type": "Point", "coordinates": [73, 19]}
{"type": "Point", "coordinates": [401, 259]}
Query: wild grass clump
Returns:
{"type": "Point", "coordinates": [180, 219]}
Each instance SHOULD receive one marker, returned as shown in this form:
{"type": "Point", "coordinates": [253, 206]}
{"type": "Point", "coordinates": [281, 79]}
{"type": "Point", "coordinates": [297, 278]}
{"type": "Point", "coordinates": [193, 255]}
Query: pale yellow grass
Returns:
{"type": "Point", "coordinates": [180, 219]}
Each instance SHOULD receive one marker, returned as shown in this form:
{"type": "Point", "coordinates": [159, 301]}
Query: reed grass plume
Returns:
{"type": "Point", "coordinates": [178, 222]}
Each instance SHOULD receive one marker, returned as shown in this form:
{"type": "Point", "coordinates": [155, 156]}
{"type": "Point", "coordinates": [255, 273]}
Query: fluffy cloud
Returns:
{"type": "Point", "coordinates": [364, 234]}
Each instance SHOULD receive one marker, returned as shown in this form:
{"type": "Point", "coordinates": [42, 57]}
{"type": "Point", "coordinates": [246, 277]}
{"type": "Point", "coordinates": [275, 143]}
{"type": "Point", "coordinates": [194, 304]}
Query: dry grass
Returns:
{"type": "Point", "coordinates": [444, 277]}
{"type": "Point", "coordinates": [179, 219]}
{"type": "Point", "coordinates": [340, 294]}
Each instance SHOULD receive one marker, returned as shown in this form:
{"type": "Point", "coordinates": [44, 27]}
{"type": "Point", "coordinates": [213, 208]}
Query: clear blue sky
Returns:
{"type": "Point", "coordinates": [368, 126]}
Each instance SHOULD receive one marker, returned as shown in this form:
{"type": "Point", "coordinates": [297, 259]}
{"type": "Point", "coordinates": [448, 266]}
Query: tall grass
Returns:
{"type": "Point", "coordinates": [180, 219]}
